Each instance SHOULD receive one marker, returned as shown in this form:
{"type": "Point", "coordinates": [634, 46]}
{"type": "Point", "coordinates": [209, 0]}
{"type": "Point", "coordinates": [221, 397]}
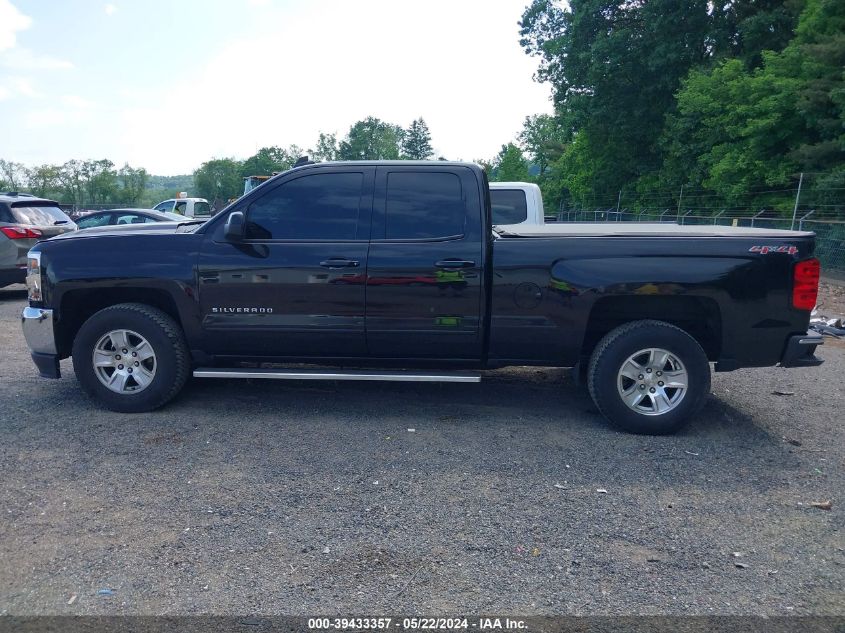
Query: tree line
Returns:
{"type": "Point", "coordinates": [77, 182]}
{"type": "Point", "coordinates": [368, 139]}
{"type": "Point", "coordinates": [731, 100]}
{"type": "Point", "coordinates": [656, 102]}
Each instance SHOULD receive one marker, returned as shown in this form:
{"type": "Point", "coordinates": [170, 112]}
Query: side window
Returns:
{"type": "Point", "coordinates": [201, 209]}
{"type": "Point", "coordinates": [164, 206]}
{"type": "Point", "coordinates": [509, 206]}
{"type": "Point", "coordinates": [93, 220]}
{"type": "Point", "coordinates": [424, 205]}
{"type": "Point", "coordinates": [180, 207]}
{"type": "Point", "coordinates": [313, 207]}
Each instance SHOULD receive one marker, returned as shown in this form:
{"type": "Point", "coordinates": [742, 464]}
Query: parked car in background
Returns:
{"type": "Point", "coordinates": [188, 207]}
{"type": "Point", "coordinates": [118, 217]}
{"type": "Point", "coordinates": [516, 205]}
{"type": "Point", "coordinates": [25, 219]}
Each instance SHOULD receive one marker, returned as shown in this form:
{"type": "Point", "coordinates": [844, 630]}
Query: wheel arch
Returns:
{"type": "Point", "coordinates": [700, 317]}
{"type": "Point", "coordinates": [78, 305]}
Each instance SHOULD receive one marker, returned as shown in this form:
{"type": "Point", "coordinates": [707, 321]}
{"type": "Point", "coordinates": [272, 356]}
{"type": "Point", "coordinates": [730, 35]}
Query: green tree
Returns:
{"type": "Point", "coordinates": [44, 181]}
{"type": "Point", "coordinates": [132, 184]}
{"type": "Point", "coordinates": [614, 68]}
{"type": "Point", "coordinates": [327, 148]}
{"type": "Point", "coordinates": [72, 182]}
{"type": "Point", "coordinates": [371, 139]}
{"type": "Point", "coordinates": [99, 180]}
{"type": "Point", "coordinates": [737, 128]}
{"type": "Point", "coordinates": [510, 165]}
{"type": "Point", "coordinates": [268, 160]}
{"type": "Point", "coordinates": [416, 145]}
{"type": "Point", "coordinates": [219, 179]}
{"type": "Point", "coordinates": [542, 138]}
{"type": "Point", "coordinates": [13, 176]}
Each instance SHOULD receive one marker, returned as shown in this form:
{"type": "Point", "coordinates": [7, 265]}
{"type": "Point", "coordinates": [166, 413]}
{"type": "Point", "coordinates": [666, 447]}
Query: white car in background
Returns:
{"type": "Point", "coordinates": [516, 205]}
{"type": "Point", "coordinates": [188, 207]}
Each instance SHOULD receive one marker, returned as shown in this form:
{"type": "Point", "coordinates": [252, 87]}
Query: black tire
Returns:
{"type": "Point", "coordinates": [172, 358]}
{"type": "Point", "coordinates": [612, 352]}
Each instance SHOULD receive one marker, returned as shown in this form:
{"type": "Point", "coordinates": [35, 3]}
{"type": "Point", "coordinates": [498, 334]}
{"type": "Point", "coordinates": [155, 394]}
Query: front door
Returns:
{"type": "Point", "coordinates": [424, 285]}
{"type": "Point", "coordinates": [294, 287]}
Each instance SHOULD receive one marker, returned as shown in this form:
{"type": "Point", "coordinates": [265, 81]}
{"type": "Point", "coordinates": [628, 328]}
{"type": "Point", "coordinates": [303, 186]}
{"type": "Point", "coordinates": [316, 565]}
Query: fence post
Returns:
{"type": "Point", "coordinates": [685, 216]}
{"type": "Point", "coordinates": [716, 217]}
{"type": "Point", "coordinates": [757, 215]}
{"type": "Point", "coordinates": [797, 197]}
{"type": "Point", "coordinates": [662, 214]}
{"type": "Point", "coordinates": [618, 200]}
{"type": "Point", "coordinates": [803, 217]}
{"type": "Point", "coordinates": [680, 197]}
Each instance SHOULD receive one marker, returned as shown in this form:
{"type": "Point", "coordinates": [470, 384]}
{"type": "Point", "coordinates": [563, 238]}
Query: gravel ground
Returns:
{"type": "Point", "coordinates": [366, 498]}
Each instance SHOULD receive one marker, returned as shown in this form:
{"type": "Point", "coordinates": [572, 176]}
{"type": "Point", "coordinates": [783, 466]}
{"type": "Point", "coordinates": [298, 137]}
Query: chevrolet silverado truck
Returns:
{"type": "Point", "coordinates": [394, 271]}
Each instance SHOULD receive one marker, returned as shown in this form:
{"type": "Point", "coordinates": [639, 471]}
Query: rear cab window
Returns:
{"type": "Point", "coordinates": [38, 215]}
{"type": "Point", "coordinates": [202, 209]}
{"type": "Point", "coordinates": [509, 206]}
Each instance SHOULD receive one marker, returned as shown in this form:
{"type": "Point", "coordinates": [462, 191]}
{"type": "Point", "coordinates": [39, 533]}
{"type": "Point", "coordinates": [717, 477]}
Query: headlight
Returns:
{"type": "Point", "coordinates": [33, 276]}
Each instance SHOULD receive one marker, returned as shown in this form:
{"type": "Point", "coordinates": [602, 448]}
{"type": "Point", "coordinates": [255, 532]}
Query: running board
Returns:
{"type": "Point", "coordinates": [321, 374]}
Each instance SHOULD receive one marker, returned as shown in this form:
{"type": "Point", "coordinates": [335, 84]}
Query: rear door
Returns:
{"type": "Point", "coordinates": [424, 283]}
{"type": "Point", "coordinates": [294, 287]}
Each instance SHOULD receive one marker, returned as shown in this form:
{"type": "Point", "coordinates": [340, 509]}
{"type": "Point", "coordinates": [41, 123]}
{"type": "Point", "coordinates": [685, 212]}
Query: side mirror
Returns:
{"type": "Point", "coordinates": [233, 231]}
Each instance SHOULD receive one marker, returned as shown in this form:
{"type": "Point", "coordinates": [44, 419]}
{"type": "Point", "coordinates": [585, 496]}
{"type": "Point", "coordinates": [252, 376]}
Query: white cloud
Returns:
{"type": "Point", "coordinates": [11, 21]}
{"type": "Point", "coordinates": [22, 87]}
{"type": "Point", "coordinates": [5, 93]}
{"type": "Point", "coordinates": [24, 59]}
{"type": "Point", "coordinates": [53, 117]}
{"type": "Point", "coordinates": [110, 9]}
{"type": "Point", "coordinates": [75, 101]}
{"type": "Point", "coordinates": [471, 82]}
{"type": "Point", "coordinates": [259, 3]}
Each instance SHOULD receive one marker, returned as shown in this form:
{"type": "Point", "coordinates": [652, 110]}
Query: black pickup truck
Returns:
{"type": "Point", "coordinates": [392, 271]}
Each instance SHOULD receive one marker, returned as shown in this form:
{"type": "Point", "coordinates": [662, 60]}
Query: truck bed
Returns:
{"type": "Point", "coordinates": [643, 229]}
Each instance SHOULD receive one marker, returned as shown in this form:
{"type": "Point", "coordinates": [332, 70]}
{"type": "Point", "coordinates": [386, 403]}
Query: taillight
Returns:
{"type": "Point", "coordinates": [805, 284]}
{"type": "Point", "coordinates": [20, 233]}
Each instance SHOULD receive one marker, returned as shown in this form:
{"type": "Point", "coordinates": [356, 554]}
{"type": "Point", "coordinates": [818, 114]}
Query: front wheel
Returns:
{"type": "Point", "coordinates": [132, 357]}
{"type": "Point", "coordinates": [648, 377]}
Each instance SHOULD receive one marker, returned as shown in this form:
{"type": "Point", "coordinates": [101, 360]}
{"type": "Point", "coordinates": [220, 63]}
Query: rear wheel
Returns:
{"type": "Point", "coordinates": [648, 377]}
{"type": "Point", "coordinates": [131, 357]}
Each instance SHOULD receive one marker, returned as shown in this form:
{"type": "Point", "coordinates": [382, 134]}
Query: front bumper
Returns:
{"type": "Point", "coordinates": [800, 350]}
{"type": "Point", "coordinates": [37, 325]}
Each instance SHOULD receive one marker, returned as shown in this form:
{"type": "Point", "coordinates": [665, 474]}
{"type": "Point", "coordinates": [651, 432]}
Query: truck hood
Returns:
{"type": "Point", "coordinates": [122, 231]}
{"type": "Point", "coordinates": [642, 229]}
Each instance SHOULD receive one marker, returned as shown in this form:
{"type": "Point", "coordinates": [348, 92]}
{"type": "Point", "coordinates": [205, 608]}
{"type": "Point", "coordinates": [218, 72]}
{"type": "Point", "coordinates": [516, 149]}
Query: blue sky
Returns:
{"type": "Point", "coordinates": [168, 84]}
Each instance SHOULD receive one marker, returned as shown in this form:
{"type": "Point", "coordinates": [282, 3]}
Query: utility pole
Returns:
{"type": "Point", "coordinates": [680, 197]}
{"type": "Point", "coordinates": [797, 197]}
{"type": "Point", "coordinates": [618, 200]}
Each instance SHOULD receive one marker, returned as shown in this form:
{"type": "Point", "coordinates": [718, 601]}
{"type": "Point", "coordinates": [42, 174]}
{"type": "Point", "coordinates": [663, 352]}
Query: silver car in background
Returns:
{"type": "Point", "coordinates": [25, 220]}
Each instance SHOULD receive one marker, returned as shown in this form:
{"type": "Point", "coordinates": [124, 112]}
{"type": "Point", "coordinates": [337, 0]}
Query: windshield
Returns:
{"type": "Point", "coordinates": [509, 206]}
{"type": "Point", "coordinates": [40, 215]}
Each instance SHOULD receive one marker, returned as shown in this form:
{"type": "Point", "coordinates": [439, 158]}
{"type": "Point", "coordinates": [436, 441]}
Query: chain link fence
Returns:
{"type": "Point", "coordinates": [830, 233]}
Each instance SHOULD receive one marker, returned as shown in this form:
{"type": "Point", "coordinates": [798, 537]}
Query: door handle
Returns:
{"type": "Point", "coordinates": [339, 262]}
{"type": "Point", "coordinates": [454, 263]}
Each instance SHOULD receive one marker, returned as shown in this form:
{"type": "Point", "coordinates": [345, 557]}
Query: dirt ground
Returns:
{"type": "Point", "coordinates": [513, 496]}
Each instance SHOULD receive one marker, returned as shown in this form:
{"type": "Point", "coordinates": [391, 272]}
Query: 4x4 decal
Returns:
{"type": "Point", "coordinates": [765, 250]}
